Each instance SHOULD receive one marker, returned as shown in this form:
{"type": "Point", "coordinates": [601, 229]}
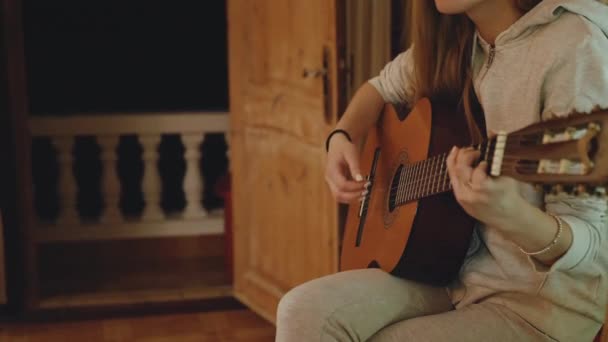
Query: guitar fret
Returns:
{"type": "Point", "coordinates": [423, 174]}
{"type": "Point", "coordinates": [397, 195]}
{"type": "Point", "coordinates": [446, 182]}
{"type": "Point", "coordinates": [441, 173]}
{"type": "Point", "coordinates": [434, 176]}
{"type": "Point", "coordinates": [437, 176]}
{"type": "Point", "coordinates": [423, 178]}
{"type": "Point", "coordinates": [412, 183]}
{"type": "Point", "coordinates": [428, 177]}
{"type": "Point", "coordinates": [400, 184]}
{"type": "Point", "coordinates": [404, 184]}
{"type": "Point", "coordinates": [487, 151]}
{"type": "Point", "coordinates": [417, 180]}
{"type": "Point", "coordinates": [406, 187]}
{"type": "Point", "coordinates": [408, 170]}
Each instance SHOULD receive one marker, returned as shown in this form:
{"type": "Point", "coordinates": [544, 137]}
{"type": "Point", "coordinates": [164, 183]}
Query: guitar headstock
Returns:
{"type": "Point", "coordinates": [566, 154]}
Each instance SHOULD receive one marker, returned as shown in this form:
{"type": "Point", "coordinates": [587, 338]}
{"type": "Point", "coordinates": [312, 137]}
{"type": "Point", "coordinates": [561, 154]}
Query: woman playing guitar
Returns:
{"type": "Point", "coordinates": [537, 267]}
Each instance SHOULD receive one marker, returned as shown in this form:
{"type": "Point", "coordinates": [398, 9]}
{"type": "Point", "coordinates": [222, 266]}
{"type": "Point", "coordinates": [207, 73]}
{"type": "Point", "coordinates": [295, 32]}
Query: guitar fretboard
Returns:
{"type": "Point", "coordinates": [422, 179]}
{"type": "Point", "coordinates": [428, 177]}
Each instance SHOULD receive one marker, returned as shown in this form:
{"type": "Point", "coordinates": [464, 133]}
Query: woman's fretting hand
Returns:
{"type": "Point", "coordinates": [342, 171]}
{"type": "Point", "coordinates": [493, 201]}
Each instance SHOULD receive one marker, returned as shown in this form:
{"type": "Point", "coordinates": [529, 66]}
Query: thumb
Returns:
{"type": "Point", "coordinates": [352, 159]}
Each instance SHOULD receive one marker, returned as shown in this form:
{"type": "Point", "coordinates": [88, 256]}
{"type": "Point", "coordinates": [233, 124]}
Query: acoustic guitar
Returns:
{"type": "Point", "coordinates": [409, 224]}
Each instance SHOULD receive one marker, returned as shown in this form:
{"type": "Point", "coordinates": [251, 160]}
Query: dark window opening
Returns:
{"type": "Point", "coordinates": [125, 56]}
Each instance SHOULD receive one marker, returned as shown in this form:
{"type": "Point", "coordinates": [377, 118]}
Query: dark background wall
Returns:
{"type": "Point", "coordinates": [125, 55]}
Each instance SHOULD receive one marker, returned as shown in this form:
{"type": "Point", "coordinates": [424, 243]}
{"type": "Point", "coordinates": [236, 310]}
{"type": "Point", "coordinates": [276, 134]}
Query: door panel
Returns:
{"type": "Point", "coordinates": [271, 43]}
{"type": "Point", "coordinates": [282, 107]}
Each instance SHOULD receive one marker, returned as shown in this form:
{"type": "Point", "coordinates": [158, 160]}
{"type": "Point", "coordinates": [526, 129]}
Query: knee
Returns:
{"type": "Point", "coordinates": [293, 305]}
{"type": "Point", "coordinates": [302, 311]}
{"type": "Point", "coordinates": [309, 312]}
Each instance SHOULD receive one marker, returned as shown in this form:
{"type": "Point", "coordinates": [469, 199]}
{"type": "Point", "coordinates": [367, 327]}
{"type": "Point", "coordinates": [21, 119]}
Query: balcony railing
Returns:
{"type": "Point", "coordinates": [107, 131]}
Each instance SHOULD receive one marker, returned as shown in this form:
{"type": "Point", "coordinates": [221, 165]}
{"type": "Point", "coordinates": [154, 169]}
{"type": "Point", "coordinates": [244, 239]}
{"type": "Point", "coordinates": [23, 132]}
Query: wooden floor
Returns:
{"type": "Point", "coordinates": [223, 326]}
{"type": "Point", "coordinates": [98, 273]}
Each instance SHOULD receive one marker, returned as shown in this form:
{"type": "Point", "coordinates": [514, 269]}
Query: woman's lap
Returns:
{"type": "Point", "coordinates": [354, 305]}
{"type": "Point", "coordinates": [477, 322]}
{"type": "Point", "coordinates": [363, 304]}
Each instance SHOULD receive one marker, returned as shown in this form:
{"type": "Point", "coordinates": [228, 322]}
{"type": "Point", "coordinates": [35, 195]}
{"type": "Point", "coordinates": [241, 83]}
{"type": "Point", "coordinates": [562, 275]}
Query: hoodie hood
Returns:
{"type": "Point", "coordinates": [550, 10]}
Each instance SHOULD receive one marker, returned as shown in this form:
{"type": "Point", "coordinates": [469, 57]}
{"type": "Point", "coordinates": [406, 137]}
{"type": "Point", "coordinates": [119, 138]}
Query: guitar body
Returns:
{"type": "Point", "coordinates": [424, 240]}
{"type": "Point", "coordinates": [410, 224]}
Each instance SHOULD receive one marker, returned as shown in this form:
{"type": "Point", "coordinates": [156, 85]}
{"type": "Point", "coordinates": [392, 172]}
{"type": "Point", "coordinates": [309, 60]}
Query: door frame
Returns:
{"type": "Point", "coordinates": [16, 196]}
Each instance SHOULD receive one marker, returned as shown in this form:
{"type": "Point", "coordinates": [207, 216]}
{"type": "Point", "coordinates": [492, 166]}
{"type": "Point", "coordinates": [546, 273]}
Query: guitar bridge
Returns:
{"type": "Point", "coordinates": [366, 198]}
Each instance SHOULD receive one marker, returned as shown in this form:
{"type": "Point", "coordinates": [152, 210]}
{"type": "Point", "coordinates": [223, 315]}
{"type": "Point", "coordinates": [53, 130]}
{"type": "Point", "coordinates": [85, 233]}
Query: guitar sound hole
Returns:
{"type": "Point", "coordinates": [392, 197]}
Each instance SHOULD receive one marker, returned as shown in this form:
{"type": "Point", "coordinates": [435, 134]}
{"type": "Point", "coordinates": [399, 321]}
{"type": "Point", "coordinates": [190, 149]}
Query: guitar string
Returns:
{"type": "Point", "coordinates": [425, 178]}
{"type": "Point", "coordinates": [430, 184]}
{"type": "Point", "coordinates": [439, 178]}
{"type": "Point", "coordinates": [420, 194]}
{"type": "Point", "coordinates": [431, 181]}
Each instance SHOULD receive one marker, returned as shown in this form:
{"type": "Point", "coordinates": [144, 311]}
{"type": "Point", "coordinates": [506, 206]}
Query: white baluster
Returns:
{"type": "Point", "coordinates": [67, 183]}
{"type": "Point", "coordinates": [193, 185]}
{"type": "Point", "coordinates": [151, 182]}
{"type": "Point", "coordinates": [110, 184]}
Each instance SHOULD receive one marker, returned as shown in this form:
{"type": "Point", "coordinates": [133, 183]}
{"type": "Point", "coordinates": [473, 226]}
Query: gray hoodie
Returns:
{"type": "Point", "coordinates": [551, 62]}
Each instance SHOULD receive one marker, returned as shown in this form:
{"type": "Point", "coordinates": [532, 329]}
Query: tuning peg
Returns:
{"type": "Point", "coordinates": [569, 133]}
{"type": "Point", "coordinates": [546, 188]}
{"type": "Point", "coordinates": [547, 136]}
{"type": "Point", "coordinates": [569, 189]}
{"type": "Point", "coordinates": [599, 191]}
{"type": "Point", "coordinates": [557, 189]}
{"type": "Point", "coordinates": [594, 126]}
{"type": "Point", "coordinates": [581, 190]}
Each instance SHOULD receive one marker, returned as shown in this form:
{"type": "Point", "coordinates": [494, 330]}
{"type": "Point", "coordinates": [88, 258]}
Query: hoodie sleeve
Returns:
{"type": "Point", "coordinates": [395, 81]}
{"type": "Point", "coordinates": [578, 82]}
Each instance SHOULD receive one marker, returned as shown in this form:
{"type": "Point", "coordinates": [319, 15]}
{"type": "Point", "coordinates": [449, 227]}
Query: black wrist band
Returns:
{"type": "Point", "coordinates": [335, 132]}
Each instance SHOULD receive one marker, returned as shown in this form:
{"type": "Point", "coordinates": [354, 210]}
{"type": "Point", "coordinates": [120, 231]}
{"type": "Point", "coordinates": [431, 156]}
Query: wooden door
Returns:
{"type": "Point", "coordinates": [282, 104]}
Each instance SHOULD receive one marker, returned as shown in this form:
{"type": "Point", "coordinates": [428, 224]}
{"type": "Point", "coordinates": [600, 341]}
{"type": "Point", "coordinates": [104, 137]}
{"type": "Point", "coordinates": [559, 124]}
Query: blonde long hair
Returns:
{"type": "Point", "coordinates": [442, 55]}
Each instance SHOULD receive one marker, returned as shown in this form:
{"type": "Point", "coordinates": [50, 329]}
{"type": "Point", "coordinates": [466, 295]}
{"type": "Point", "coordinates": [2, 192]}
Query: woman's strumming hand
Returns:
{"type": "Point", "coordinates": [342, 171]}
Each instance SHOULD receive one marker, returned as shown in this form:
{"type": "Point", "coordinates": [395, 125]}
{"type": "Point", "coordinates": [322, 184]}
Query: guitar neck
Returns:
{"type": "Point", "coordinates": [421, 179]}
{"type": "Point", "coordinates": [430, 176]}
{"type": "Point", "coordinates": [572, 158]}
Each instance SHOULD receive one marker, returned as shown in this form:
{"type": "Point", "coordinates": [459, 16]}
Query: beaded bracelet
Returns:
{"type": "Point", "coordinates": [560, 227]}
{"type": "Point", "coordinates": [335, 132]}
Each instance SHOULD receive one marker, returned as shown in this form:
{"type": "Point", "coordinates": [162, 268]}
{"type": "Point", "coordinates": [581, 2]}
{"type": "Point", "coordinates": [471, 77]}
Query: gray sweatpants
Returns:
{"type": "Point", "coordinates": [373, 305]}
